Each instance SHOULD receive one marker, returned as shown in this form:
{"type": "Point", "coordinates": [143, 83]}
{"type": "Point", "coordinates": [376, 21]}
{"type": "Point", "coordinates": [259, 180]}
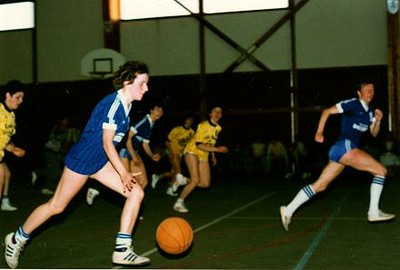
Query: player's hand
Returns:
{"type": "Point", "coordinates": [214, 161]}
{"type": "Point", "coordinates": [222, 149]}
{"type": "Point", "coordinates": [136, 161]}
{"type": "Point", "coordinates": [128, 180]}
{"type": "Point", "coordinates": [19, 152]}
{"type": "Point", "coordinates": [319, 137]}
{"type": "Point", "coordinates": [156, 157]}
{"type": "Point", "coordinates": [378, 114]}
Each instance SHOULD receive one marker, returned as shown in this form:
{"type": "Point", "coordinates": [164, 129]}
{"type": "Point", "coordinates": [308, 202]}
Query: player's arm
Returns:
{"type": "Point", "coordinates": [212, 149]}
{"type": "Point", "coordinates": [149, 152]}
{"type": "Point", "coordinates": [17, 151]}
{"type": "Point", "coordinates": [319, 135]}
{"type": "Point", "coordinates": [376, 124]}
{"type": "Point", "coordinates": [129, 146]}
{"type": "Point", "coordinates": [112, 154]}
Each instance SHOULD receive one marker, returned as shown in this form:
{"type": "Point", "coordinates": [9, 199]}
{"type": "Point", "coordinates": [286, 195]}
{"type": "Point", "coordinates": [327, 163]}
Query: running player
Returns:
{"type": "Point", "coordinates": [357, 118]}
{"type": "Point", "coordinates": [197, 153]}
{"type": "Point", "coordinates": [13, 95]}
{"type": "Point", "coordinates": [177, 139]}
{"type": "Point", "coordinates": [139, 138]}
{"type": "Point", "coordinates": [95, 156]}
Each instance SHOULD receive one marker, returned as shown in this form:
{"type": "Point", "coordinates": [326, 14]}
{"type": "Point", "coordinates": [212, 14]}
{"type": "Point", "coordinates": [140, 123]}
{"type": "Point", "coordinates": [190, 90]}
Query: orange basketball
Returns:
{"type": "Point", "coordinates": [174, 235]}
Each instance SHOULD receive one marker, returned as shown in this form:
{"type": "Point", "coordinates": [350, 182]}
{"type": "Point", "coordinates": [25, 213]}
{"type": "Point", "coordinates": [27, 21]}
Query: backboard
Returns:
{"type": "Point", "coordinates": [101, 63]}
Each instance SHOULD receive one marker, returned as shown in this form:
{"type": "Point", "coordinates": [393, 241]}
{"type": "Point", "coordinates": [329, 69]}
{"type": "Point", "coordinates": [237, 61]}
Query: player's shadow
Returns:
{"type": "Point", "coordinates": [174, 256]}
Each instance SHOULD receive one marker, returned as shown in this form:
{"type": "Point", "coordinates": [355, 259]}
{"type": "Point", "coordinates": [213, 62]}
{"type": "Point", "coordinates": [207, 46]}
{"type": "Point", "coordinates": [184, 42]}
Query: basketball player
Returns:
{"type": "Point", "coordinates": [196, 156]}
{"type": "Point", "coordinates": [358, 117]}
{"type": "Point", "coordinates": [177, 139]}
{"type": "Point", "coordinates": [95, 156]}
{"type": "Point", "coordinates": [13, 95]}
{"type": "Point", "coordinates": [139, 138]}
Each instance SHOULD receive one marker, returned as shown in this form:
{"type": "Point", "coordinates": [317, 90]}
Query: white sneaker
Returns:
{"type": "Point", "coordinates": [91, 194]}
{"type": "Point", "coordinates": [170, 192]}
{"type": "Point", "coordinates": [6, 205]}
{"type": "Point", "coordinates": [285, 218]}
{"type": "Point", "coordinates": [126, 256]}
{"type": "Point", "coordinates": [182, 180]}
{"type": "Point", "coordinates": [180, 207]}
{"type": "Point", "coordinates": [12, 251]}
{"type": "Point", "coordinates": [154, 179]}
{"type": "Point", "coordinates": [47, 191]}
{"type": "Point", "coordinates": [380, 216]}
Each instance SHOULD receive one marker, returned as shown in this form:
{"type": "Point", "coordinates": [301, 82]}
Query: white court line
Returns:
{"type": "Point", "coordinates": [344, 219]}
{"type": "Point", "coordinates": [314, 244]}
{"type": "Point", "coordinates": [205, 226]}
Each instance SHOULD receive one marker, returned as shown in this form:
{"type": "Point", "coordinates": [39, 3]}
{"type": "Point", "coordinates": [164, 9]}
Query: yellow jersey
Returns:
{"type": "Point", "coordinates": [206, 133]}
{"type": "Point", "coordinates": [7, 127]}
{"type": "Point", "coordinates": [178, 137]}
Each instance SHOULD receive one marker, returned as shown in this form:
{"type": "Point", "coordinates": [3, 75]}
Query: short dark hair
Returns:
{"type": "Point", "coordinates": [364, 79]}
{"type": "Point", "coordinates": [128, 72]}
{"type": "Point", "coordinates": [12, 87]}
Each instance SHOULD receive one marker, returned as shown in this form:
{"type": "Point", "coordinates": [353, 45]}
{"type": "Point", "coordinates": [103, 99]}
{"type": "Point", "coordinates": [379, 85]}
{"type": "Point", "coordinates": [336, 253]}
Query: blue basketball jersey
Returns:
{"type": "Point", "coordinates": [357, 118]}
{"type": "Point", "coordinates": [88, 156]}
{"type": "Point", "coordinates": [142, 130]}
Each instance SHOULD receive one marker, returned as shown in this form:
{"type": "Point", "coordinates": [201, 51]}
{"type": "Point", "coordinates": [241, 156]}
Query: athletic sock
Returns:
{"type": "Point", "coordinates": [123, 241]}
{"type": "Point", "coordinates": [175, 185]}
{"type": "Point", "coordinates": [20, 235]}
{"type": "Point", "coordinates": [302, 196]}
{"type": "Point", "coordinates": [375, 193]}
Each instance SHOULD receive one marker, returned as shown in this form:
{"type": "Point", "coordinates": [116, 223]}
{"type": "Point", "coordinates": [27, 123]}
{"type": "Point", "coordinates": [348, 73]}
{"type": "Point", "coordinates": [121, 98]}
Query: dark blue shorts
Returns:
{"type": "Point", "coordinates": [340, 148]}
{"type": "Point", "coordinates": [124, 153]}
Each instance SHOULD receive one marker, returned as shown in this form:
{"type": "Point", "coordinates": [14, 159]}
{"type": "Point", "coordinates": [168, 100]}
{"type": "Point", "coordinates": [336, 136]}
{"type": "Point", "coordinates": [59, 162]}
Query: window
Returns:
{"type": "Point", "coordinates": [142, 9]}
{"type": "Point", "coordinates": [14, 16]}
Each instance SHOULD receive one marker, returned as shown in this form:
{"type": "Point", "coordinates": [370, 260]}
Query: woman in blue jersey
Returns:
{"type": "Point", "coordinates": [358, 117]}
{"type": "Point", "coordinates": [139, 139]}
{"type": "Point", "coordinates": [95, 156]}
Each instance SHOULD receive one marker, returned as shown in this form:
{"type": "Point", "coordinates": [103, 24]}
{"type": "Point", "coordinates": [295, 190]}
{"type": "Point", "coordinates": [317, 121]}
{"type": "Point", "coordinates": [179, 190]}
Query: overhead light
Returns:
{"type": "Point", "coordinates": [144, 9]}
{"type": "Point", "coordinates": [17, 16]}
{"type": "Point", "coordinates": [213, 6]}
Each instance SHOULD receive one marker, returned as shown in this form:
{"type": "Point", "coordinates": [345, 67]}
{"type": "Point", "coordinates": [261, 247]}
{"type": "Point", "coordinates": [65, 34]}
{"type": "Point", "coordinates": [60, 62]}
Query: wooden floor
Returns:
{"type": "Point", "coordinates": [236, 226]}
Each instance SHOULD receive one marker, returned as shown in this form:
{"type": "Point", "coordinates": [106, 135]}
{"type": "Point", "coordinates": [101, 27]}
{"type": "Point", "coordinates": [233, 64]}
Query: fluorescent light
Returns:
{"type": "Point", "coordinates": [218, 6]}
{"type": "Point", "coordinates": [141, 9]}
{"type": "Point", "coordinates": [17, 16]}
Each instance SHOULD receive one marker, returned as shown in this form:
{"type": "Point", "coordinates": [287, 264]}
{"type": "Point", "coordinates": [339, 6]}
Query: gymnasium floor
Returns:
{"type": "Point", "coordinates": [236, 226]}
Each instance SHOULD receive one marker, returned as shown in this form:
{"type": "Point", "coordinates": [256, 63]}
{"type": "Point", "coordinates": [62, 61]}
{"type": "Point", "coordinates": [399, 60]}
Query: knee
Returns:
{"type": "Point", "coordinates": [136, 193]}
{"type": "Point", "coordinates": [381, 171]}
{"type": "Point", "coordinates": [55, 209]}
{"type": "Point", "coordinates": [204, 184]}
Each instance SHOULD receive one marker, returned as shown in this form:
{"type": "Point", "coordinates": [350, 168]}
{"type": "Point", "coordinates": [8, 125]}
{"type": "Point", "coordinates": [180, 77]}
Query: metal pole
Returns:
{"type": "Point", "coordinates": [293, 74]}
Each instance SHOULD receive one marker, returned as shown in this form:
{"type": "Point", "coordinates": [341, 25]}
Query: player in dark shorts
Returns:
{"type": "Point", "coordinates": [95, 156]}
{"type": "Point", "coordinates": [358, 117]}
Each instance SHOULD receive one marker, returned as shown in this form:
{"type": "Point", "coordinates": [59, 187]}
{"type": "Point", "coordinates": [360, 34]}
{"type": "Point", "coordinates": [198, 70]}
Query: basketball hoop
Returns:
{"type": "Point", "coordinates": [393, 6]}
{"type": "Point", "coordinates": [101, 63]}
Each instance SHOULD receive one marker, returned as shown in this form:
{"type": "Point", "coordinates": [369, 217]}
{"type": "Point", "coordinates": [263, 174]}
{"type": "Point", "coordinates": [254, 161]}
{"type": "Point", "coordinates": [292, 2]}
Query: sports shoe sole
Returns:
{"type": "Point", "coordinates": [284, 218]}
{"type": "Point", "coordinates": [381, 219]}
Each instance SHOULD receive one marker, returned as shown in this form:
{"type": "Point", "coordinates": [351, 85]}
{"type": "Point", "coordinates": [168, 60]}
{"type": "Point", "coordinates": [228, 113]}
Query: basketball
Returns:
{"type": "Point", "coordinates": [174, 235]}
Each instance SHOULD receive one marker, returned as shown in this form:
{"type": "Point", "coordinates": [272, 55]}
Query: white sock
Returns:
{"type": "Point", "coordinates": [122, 241]}
{"type": "Point", "coordinates": [21, 235]}
{"type": "Point", "coordinates": [302, 196]}
{"type": "Point", "coordinates": [375, 193]}
{"type": "Point", "coordinates": [175, 186]}
{"type": "Point", "coordinates": [185, 180]}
